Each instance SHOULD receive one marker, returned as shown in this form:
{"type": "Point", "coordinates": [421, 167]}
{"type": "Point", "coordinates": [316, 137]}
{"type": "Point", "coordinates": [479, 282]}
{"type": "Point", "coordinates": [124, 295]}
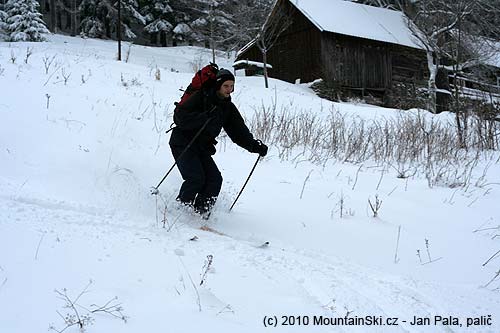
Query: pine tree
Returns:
{"type": "Point", "coordinates": [223, 24]}
{"type": "Point", "coordinates": [100, 17]}
{"type": "Point", "coordinates": [3, 19]}
{"type": "Point", "coordinates": [93, 17]}
{"type": "Point", "coordinates": [159, 15]}
{"type": "Point", "coordinates": [214, 24]}
{"type": "Point", "coordinates": [182, 16]}
{"type": "Point", "coordinates": [24, 21]}
{"type": "Point", "coordinates": [130, 13]}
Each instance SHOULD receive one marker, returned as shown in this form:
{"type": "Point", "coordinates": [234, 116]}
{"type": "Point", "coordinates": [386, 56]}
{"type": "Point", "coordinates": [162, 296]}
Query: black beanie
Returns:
{"type": "Point", "coordinates": [222, 76]}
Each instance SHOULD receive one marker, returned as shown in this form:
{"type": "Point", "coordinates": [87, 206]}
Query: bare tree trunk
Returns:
{"type": "Point", "coordinates": [212, 31]}
{"type": "Point", "coordinates": [58, 18]}
{"type": "Point", "coordinates": [461, 126]}
{"type": "Point", "coordinates": [277, 23]}
{"type": "Point", "coordinates": [461, 112]}
{"type": "Point", "coordinates": [163, 38]}
{"type": "Point", "coordinates": [459, 129]}
{"type": "Point", "coordinates": [212, 47]}
{"type": "Point", "coordinates": [264, 61]}
{"type": "Point", "coordinates": [73, 17]}
{"type": "Point", "coordinates": [52, 22]}
{"type": "Point", "coordinates": [119, 31]}
{"type": "Point", "coordinates": [432, 81]}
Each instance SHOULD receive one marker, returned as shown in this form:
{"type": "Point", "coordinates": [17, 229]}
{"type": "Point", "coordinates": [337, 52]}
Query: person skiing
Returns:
{"type": "Point", "coordinates": [208, 111]}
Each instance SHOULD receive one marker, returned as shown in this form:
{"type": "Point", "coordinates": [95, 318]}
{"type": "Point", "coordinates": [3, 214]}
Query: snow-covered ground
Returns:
{"type": "Point", "coordinates": [82, 141]}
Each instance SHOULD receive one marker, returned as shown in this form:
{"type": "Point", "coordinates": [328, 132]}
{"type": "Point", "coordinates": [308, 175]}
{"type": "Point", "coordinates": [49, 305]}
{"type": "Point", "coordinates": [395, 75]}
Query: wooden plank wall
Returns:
{"type": "Point", "coordinates": [408, 65]}
{"type": "Point", "coordinates": [355, 62]}
{"type": "Point", "coordinates": [296, 55]}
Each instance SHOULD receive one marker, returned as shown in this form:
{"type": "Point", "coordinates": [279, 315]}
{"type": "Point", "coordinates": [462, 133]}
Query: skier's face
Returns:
{"type": "Point", "coordinates": [226, 89]}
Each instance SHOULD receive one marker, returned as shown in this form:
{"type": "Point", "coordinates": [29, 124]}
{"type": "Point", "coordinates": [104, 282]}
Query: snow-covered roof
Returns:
{"type": "Point", "coordinates": [482, 50]}
{"type": "Point", "coordinates": [251, 63]}
{"type": "Point", "coordinates": [489, 52]}
{"type": "Point", "coordinates": [493, 60]}
{"type": "Point", "coordinates": [353, 19]}
{"type": "Point", "coordinates": [246, 47]}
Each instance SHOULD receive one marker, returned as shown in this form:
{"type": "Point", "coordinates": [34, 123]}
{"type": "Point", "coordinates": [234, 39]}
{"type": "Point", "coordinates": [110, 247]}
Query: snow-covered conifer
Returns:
{"type": "Point", "coordinates": [182, 32]}
{"type": "Point", "coordinates": [99, 17]}
{"type": "Point", "coordinates": [93, 14]}
{"type": "Point", "coordinates": [3, 18]}
{"type": "Point", "coordinates": [159, 16]}
{"type": "Point", "coordinates": [214, 25]}
{"type": "Point", "coordinates": [24, 21]}
{"type": "Point", "coordinates": [130, 12]}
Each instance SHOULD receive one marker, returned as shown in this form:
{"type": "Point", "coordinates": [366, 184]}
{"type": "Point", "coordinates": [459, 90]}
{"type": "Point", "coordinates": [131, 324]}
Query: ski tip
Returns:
{"type": "Point", "coordinates": [209, 229]}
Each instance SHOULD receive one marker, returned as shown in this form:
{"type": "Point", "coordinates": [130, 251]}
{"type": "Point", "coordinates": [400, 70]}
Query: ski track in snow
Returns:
{"type": "Point", "coordinates": [327, 285]}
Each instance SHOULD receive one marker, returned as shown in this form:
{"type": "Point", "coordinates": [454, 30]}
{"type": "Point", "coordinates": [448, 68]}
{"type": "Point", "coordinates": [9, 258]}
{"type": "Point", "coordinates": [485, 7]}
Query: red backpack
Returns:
{"type": "Point", "coordinates": [202, 80]}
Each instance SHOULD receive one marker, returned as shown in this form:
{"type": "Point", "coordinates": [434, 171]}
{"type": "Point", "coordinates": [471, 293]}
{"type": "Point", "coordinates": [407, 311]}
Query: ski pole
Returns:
{"type": "Point", "coordinates": [154, 190]}
{"type": "Point", "coordinates": [251, 172]}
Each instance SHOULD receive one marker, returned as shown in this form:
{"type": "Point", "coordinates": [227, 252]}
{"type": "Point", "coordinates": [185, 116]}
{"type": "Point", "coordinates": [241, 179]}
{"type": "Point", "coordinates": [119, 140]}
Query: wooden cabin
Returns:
{"type": "Point", "coordinates": [356, 49]}
{"type": "Point", "coordinates": [483, 73]}
{"type": "Point", "coordinates": [476, 79]}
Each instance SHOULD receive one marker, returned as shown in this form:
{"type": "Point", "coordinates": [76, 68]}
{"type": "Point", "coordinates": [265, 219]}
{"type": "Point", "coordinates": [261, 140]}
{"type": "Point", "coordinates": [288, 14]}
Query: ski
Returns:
{"type": "Point", "coordinates": [207, 228]}
{"type": "Point", "coordinates": [212, 230]}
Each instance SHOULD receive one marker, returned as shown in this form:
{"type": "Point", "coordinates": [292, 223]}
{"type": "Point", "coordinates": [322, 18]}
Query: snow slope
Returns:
{"type": "Point", "coordinates": [82, 142]}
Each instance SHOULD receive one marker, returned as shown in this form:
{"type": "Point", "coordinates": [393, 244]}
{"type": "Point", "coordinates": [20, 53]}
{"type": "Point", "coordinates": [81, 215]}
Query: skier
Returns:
{"type": "Point", "coordinates": [214, 110]}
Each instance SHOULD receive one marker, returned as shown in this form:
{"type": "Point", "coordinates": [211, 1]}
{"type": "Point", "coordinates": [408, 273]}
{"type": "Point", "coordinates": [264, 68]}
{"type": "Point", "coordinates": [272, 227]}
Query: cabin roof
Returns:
{"type": "Point", "coordinates": [353, 19]}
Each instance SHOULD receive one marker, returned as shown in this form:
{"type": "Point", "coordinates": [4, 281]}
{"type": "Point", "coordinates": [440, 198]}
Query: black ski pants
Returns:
{"type": "Point", "coordinates": [202, 179]}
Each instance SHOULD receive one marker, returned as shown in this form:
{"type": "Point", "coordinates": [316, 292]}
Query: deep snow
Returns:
{"type": "Point", "coordinates": [77, 163]}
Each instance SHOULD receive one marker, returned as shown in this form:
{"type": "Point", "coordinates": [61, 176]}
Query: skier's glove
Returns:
{"type": "Point", "coordinates": [260, 148]}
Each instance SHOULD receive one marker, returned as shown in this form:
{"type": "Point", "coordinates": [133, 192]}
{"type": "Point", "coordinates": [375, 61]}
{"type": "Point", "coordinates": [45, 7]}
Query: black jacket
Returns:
{"type": "Point", "coordinates": [194, 112]}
